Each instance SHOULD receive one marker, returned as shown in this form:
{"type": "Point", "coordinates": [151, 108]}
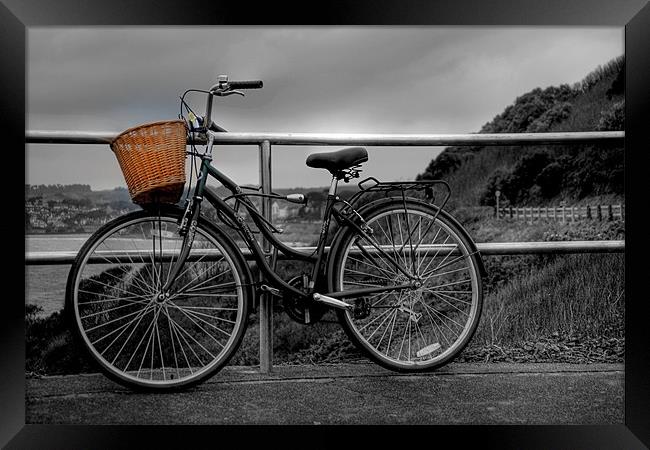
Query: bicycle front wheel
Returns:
{"type": "Point", "coordinates": [419, 328]}
{"type": "Point", "coordinates": [140, 338]}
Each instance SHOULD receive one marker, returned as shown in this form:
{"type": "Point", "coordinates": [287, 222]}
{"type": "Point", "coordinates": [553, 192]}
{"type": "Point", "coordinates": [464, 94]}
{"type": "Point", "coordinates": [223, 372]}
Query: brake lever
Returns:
{"type": "Point", "coordinates": [220, 93]}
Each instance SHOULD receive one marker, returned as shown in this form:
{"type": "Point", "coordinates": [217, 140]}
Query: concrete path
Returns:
{"type": "Point", "coordinates": [346, 394]}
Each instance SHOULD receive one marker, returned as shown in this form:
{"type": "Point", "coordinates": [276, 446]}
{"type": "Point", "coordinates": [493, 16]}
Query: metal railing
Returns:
{"type": "Point", "coordinates": [265, 142]}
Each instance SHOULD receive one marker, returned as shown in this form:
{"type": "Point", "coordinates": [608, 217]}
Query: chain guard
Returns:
{"type": "Point", "coordinates": [301, 311]}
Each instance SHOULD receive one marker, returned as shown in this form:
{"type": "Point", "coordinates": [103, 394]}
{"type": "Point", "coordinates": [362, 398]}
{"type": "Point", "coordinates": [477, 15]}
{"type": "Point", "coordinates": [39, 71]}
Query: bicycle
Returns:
{"type": "Point", "coordinates": [160, 297]}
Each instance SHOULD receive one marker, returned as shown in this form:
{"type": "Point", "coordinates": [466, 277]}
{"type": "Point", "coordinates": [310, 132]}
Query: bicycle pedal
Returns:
{"type": "Point", "coordinates": [271, 290]}
{"type": "Point", "coordinates": [361, 308]}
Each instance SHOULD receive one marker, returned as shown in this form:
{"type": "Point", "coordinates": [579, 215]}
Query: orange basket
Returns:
{"type": "Point", "coordinates": [152, 159]}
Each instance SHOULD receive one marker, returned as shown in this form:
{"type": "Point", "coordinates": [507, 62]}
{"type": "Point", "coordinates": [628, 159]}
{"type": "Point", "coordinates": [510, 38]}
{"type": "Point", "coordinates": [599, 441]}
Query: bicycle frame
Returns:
{"type": "Point", "coordinates": [318, 259]}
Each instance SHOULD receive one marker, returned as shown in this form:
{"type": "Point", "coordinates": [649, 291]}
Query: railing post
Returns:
{"type": "Point", "coordinates": [599, 213]}
{"type": "Point", "coordinates": [266, 300]}
{"type": "Point", "coordinates": [610, 215]}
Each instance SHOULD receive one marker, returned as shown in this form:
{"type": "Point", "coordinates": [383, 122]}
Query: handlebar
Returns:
{"type": "Point", "coordinates": [224, 88]}
{"type": "Point", "coordinates": [256, 84]}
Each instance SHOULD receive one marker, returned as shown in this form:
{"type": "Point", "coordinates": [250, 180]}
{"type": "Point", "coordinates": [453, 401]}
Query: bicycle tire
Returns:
{"type": "Point", "coordinates": [111, 301]}
{"type": "Point", "coordinates": [427, 312]}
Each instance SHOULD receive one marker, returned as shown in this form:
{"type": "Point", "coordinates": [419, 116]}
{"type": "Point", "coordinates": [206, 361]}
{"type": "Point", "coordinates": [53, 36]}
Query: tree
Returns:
{"type": "Point", "coordinates": [613, 118]}
{"type": "Point", "coordinates": [550, 179]}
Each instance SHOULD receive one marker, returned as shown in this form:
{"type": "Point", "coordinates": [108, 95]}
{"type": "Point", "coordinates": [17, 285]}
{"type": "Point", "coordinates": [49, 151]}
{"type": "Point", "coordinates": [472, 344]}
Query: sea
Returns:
{"type": "Point", "coordinates": [45, 285]}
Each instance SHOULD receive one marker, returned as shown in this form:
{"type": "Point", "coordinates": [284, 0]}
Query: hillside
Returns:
{"type": "Point", "coordinates": [539, 175]}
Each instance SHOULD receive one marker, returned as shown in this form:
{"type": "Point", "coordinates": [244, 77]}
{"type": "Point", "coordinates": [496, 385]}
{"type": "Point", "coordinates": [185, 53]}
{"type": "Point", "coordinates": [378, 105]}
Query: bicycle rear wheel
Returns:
{"type": "Point", "coordinates": [419, 328]}
{"type": "Point", "coordinates": [138, 338]}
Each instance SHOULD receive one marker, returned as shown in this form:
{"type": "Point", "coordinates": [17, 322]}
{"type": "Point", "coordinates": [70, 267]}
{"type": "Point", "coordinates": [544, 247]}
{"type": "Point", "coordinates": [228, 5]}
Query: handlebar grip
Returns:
{"type": "Point", "coordinates": [257, 84]}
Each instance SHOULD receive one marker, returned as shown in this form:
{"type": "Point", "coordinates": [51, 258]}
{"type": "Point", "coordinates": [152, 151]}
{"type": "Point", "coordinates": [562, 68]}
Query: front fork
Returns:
{"type": "Point", "coordinates": [189, 221]}
{"type": "Point", "coordinates": [187, 229]}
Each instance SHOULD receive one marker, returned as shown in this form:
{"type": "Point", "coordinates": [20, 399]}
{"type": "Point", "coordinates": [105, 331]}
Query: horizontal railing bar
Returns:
{"type": "Point", "coordinates": [105, 137]}
{"type": "Point", "coordinates": [70, 137]}
{"type": "Point", "coordinates": [419, 139]}
{"type": "Point", "coordinates": [488, 249]}
{"type": "Point", "coordinates": [558, 247]}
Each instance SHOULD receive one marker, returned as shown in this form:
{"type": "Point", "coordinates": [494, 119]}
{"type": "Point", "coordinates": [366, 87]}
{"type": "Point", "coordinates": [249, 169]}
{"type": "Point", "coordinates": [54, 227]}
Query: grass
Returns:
{"type": "Point", "coordinates": [573, 295]}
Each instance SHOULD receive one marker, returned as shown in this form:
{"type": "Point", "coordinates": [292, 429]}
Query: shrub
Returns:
{"type": "Point", "coordinates": [613, 118]}
{"type": "Point", "coordinates": [550, 179]}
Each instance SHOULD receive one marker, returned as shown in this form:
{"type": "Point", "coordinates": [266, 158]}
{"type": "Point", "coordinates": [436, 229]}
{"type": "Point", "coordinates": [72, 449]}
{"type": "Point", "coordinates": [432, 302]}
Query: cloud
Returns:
{"type": "Point", "coordinates": [317, 79]}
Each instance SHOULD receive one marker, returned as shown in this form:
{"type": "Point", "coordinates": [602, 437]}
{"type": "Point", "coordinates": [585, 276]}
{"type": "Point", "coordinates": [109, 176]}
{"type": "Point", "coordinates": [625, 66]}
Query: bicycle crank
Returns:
{"type": "Point", "coordinates": [333, 302]}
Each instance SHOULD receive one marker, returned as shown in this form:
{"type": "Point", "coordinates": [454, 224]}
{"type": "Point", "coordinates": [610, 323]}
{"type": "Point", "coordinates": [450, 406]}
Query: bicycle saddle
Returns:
{"type": "Point", "coordinates": [339, 160]}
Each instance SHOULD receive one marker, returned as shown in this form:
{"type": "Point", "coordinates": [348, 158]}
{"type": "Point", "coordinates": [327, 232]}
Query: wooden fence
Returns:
{"type": "Point", "coordinates": [565, 213]}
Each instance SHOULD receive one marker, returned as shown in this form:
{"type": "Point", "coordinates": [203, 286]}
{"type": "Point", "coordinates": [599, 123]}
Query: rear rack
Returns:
{"type": "Point", "coordinates": [422, 190]}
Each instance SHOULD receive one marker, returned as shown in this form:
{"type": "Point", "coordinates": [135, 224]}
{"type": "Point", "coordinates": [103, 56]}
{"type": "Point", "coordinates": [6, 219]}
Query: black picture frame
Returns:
{"type": "Point", "coordinates": [634, 15]}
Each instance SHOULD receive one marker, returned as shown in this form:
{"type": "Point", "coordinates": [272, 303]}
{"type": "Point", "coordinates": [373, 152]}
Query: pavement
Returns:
{"type": "Point", "coordinates": [459, 393]}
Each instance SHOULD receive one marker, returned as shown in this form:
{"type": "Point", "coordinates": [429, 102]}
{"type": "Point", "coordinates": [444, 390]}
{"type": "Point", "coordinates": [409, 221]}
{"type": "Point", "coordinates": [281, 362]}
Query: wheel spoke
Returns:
{"type": "Point", "coordinates": [374, 320]}
{"type": "Point", "coordinates": [171, 338]}
{"type": "Point", "coordinates": [447, 264]}
{"type": "Point", "coordinates": [366, 273]}
{"type": "Point", "coordinates": [178, 327]}
{"type": "Point", "coordinates": [426, 253]}
{"type": "Point", "coordinates": [202, 314]}
{"type": "Point", "coordinates": [369, 256]}
{"type": "Point", "coordinates": [113, 287]}
{"type": "Point", "coordinates": [191, 315]}
{"type": "Point", "coordinates": [87, 330]}
{"type": "Point", "coordinates": [111, 309]}
{"type": "Point", "coordinates": [438, 313]}
{"type": "Point", "coordinates": [379, 326]}
{"type": "Point", "coordinates": [371, 265]}
{"type": "Point", "coordinates": [162, 359]}
{"type": "Point", "coordinates": [436, 255]}
{"type": "Point", "coordinates": [445, 294]}
{"type": "Point", "coordinates": [129, 336]}
{"type": "Point", "coordinates": [123, 328]}
{"type": "Point", "coordinates": [181, 290]}
{"type": "Point", "coordinates": [110, 298]}
{"type": "Point", "coordinates": [146, 331]}
{"type": "Point", "coordinates": [172, 325]}
{"type": "Point", "coordinates": [151, 257]}
{"type": "Point", "coordinates": [450, 304]}
{"type": "Point", "coordinates": [197, 315]}
{"type": "Point", "coordinates": [392, 318]}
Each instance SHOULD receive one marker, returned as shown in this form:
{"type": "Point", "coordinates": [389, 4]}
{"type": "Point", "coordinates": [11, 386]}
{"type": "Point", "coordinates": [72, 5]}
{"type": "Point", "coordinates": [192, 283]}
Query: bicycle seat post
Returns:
{"type": "Point", "coordinates": [333, 186]}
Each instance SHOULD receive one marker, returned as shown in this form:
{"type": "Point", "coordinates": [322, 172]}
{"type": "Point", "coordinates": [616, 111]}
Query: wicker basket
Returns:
{"type": "Point", "coordinates": [152, 159]}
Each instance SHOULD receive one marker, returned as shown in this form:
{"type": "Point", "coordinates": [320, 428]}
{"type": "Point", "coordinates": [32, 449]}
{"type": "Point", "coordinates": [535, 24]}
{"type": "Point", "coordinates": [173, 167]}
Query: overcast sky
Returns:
{"type": "Point", "coordinates": [316, 79]}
